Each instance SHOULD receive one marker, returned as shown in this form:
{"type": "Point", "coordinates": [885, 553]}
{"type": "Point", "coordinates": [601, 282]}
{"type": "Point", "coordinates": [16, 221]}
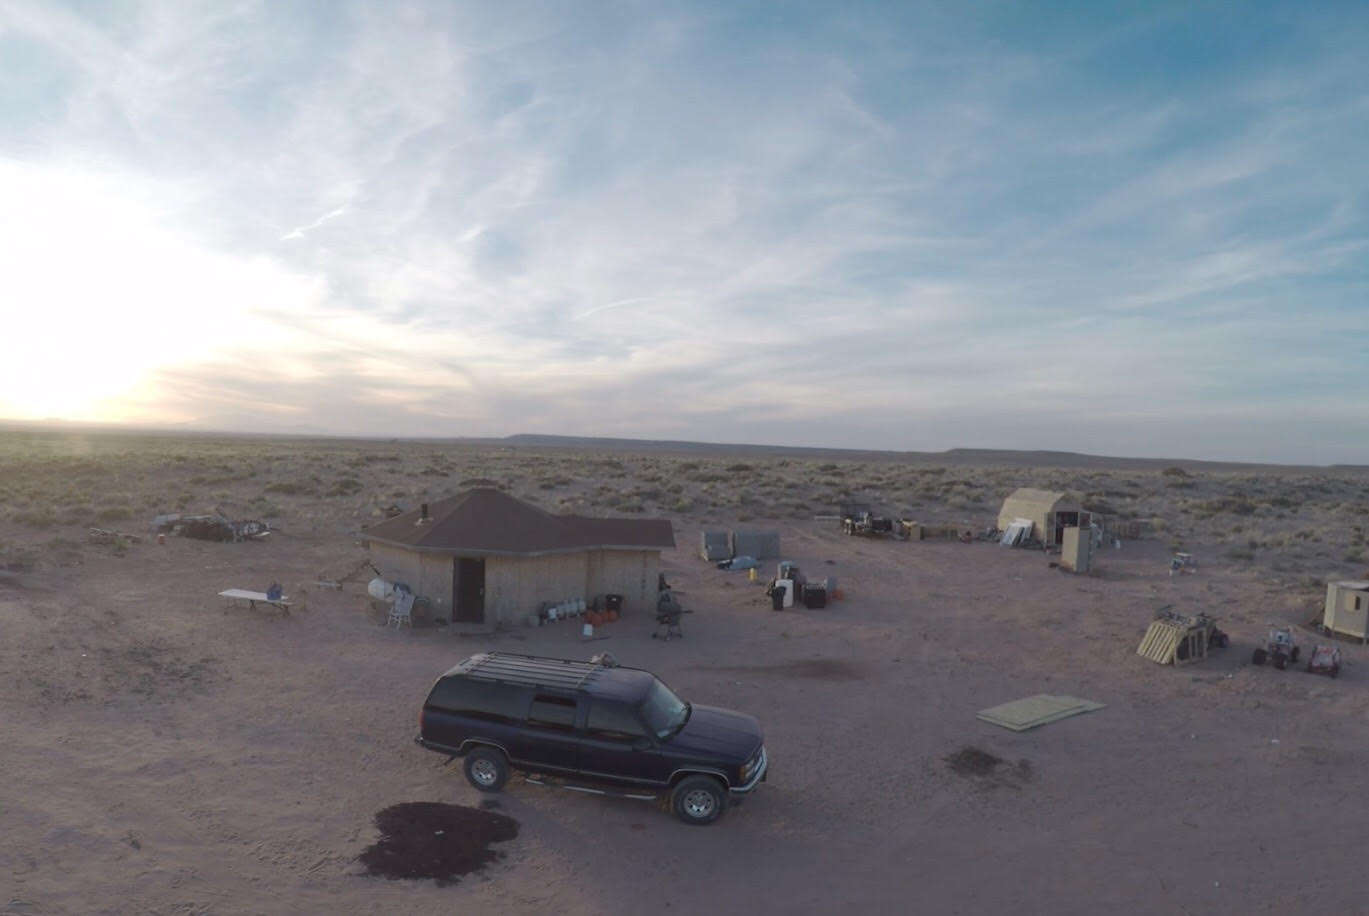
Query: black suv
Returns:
{"type": "Point", "coordinates": [593, 728]}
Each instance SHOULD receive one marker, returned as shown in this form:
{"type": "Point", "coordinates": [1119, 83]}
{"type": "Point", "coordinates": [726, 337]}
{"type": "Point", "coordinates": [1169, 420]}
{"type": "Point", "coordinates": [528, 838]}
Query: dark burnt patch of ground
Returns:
{"type": "Point", "coordinates": [431, 840]}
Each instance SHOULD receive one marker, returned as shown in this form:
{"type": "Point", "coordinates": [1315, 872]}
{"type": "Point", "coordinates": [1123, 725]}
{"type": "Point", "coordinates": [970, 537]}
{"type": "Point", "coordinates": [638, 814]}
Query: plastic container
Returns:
{"type": "Point", "coordinates": [788, 586]}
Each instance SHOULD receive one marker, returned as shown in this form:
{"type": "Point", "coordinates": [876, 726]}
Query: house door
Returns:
{"type": "Point", "coordinates": [468, 590]}
{"type": "Point", "coordinates": [1064, 520]}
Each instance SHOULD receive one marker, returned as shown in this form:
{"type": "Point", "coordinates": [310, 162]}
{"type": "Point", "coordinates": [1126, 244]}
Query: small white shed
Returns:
{"type": "Point", "coordinates": [1347, 609]}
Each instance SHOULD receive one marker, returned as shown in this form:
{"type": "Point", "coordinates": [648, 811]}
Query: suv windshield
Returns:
{"type": "Point", "coordinates": [663, 712]}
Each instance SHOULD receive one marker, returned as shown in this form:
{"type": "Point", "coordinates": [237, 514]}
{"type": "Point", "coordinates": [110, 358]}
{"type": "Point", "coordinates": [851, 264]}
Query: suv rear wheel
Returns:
{"type": "Point", "coordinates": [698, 800]}
{"type": "Point", "coordinates": [487, 769]}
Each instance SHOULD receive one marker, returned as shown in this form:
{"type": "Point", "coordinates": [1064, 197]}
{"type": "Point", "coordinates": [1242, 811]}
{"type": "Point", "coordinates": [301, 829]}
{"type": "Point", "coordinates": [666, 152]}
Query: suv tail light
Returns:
{"type": "Point", "coordinates": [421, 711]}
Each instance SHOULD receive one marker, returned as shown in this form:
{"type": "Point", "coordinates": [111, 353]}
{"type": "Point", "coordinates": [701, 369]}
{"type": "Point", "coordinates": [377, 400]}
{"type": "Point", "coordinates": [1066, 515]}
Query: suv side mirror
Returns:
{"type": "Point", "coordinates": [641, 744]}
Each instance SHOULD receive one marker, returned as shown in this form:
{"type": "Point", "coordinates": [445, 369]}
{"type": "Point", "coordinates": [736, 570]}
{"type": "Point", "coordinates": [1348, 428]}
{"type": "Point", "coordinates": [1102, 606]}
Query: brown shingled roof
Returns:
{"type": "Point", "coordinates": [488, 521]}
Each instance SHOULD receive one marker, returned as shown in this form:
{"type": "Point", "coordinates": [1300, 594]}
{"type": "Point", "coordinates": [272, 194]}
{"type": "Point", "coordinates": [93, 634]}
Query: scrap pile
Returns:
{"type": "Point", "coordinates": [934, 531]}
{"type": "Point", "coordinates": [857, 518]}
{"type": "Point", "coordinates": [210, 528]}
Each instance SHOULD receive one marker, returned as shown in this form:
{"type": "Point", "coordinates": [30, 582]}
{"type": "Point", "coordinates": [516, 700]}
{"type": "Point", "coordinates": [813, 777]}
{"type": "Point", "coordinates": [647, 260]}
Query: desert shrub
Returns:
{"type": "Point", "coordinates": [1180, 484]}
{"type": "Point", "coordinates": [1354, 556]}
{"type": "Point", "coordinates": [113, 514]}
{"type": "Point", "coordinates": [1237, 553]}
{"type": "Point", "coordinates": [35, 518]}
{"type": "Point", "coordinates": [290, 488]}
{"type": "Point", "coordinates": [740, 468]}
{"type": "Point", "coordinates": [682, 505]}
{"type": "Point", "coordinates": [630, 505]}
{"type": "Point", "coordinates": [546, 485]}
{"type": "Point", "coordinates": [1174, 472]}
{"type": "Point", "coordinates": [345, 486]}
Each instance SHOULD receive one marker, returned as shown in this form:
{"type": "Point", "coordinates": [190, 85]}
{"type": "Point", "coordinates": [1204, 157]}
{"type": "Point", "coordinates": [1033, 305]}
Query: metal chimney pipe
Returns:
{"type": "Point", "coordinates": [423, 512]}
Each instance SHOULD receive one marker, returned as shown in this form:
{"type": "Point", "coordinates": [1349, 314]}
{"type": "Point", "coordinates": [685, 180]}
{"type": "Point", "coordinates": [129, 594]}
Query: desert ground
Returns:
{"type": "Point", "coordinates": [162, 755]}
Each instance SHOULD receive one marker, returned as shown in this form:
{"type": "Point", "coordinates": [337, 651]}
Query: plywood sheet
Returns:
{"type": "Point", "coordinates": [1029, 712]}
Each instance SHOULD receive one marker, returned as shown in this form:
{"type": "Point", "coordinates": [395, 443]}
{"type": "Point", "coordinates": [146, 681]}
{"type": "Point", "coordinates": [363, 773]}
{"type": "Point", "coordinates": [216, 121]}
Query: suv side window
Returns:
{"type": "Point", "coordinates": [614, 721]}
{"type": "Point", "coordinates": [550, 711]}
{"type": "Point", "coordinates": [481, 699]}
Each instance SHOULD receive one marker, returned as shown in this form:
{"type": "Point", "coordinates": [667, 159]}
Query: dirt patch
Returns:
{"type": "Point", "coordinates": [434, 840]}
{"type": "Point", "coordinates": [153, 670]}
{"type": "Point", "coordinates": [823, 669]}
{"type": "Point", "coordinates": [971, 761]}
{"type": "Point", "coordinates": [976, 763]}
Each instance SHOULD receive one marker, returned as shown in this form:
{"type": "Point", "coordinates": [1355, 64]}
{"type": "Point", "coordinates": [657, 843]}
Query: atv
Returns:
{"type": "Point", "coordinates": [1280, 648]}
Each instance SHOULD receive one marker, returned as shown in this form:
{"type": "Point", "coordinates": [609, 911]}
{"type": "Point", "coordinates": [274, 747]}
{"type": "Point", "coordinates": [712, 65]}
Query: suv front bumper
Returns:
{"type": "Point", "coordinates": [757, 777]}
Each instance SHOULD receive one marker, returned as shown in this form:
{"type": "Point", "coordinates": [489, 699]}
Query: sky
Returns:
{"type": "Point", "coordinates": [873, 225]}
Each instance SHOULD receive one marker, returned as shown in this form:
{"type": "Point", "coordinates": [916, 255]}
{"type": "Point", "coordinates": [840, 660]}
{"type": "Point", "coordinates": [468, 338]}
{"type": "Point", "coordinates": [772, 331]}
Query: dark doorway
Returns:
{"type": "Point", "coordinates": [468, 591]}
{"type": "Point", "coordinates": [1064, 520]}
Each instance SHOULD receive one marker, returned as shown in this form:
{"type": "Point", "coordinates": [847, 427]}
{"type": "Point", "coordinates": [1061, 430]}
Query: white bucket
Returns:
{"type": "Point", "coordinates": [588, 629]}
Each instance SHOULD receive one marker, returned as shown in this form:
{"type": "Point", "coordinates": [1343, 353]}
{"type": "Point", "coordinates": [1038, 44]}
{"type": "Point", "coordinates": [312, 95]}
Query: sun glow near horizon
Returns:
{"type": "Point", "coordinates": [103, 291]}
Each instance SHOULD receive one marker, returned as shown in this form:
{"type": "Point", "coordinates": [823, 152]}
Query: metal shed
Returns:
{"type": "Point", "coordinates": [1347, 609]}
{"type": "Point", "coordinates": [1050, 512]}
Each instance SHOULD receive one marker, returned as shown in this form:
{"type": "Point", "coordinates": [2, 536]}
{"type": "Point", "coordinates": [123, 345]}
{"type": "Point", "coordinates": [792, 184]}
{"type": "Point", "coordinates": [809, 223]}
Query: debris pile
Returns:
{"type": "Point", "coordinates": [210, 527]}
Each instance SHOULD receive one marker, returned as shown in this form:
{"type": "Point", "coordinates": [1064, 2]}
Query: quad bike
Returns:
{"type": "Point", "coordinates": [1280, 648]}
{"type": "Point", "coordinates": [1324, 660]}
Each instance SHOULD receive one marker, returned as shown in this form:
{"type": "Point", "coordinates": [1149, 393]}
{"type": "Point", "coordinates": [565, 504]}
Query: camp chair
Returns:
{"type": "Point", "coordinates": [402, 611]}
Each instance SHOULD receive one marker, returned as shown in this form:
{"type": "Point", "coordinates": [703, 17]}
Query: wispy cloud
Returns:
{"type": "Point", "coordinates": [895, 226]}
{"type": "Point", "coordinates": [299, 231]}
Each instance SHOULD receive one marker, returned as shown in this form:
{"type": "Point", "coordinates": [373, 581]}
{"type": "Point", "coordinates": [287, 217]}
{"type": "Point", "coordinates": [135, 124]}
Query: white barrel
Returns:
{"type": "Point", "coordinates": [380, 590]}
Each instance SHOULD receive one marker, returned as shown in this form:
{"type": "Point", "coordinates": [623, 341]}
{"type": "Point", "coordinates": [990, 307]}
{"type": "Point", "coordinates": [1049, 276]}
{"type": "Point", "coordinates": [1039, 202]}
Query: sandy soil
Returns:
{"type": "Point", "coordinates": [163, 756]}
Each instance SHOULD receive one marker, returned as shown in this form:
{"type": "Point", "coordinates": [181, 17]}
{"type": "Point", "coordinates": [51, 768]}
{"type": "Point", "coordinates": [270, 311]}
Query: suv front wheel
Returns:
{"type": "Point", "coordinates": [698, 800]}
{"type": "Point", "coordinates": [487, 769]}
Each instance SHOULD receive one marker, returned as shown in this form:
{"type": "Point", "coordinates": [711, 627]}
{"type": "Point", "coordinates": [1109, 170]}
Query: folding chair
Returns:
{"type": "Point", "coordinates": [402, 611]}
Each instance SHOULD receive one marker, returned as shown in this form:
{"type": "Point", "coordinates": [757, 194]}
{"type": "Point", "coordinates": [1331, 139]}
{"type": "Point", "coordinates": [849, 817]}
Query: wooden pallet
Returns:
{"type": "Point", "coordinates": [1169, 643]}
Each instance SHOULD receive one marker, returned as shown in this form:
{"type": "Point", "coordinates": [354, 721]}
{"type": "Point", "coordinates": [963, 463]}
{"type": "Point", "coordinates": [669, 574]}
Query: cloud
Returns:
{"type": "Point", "coordinates": [889, 227]}
{"type": "Point", "coordinates": [299, 231]}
